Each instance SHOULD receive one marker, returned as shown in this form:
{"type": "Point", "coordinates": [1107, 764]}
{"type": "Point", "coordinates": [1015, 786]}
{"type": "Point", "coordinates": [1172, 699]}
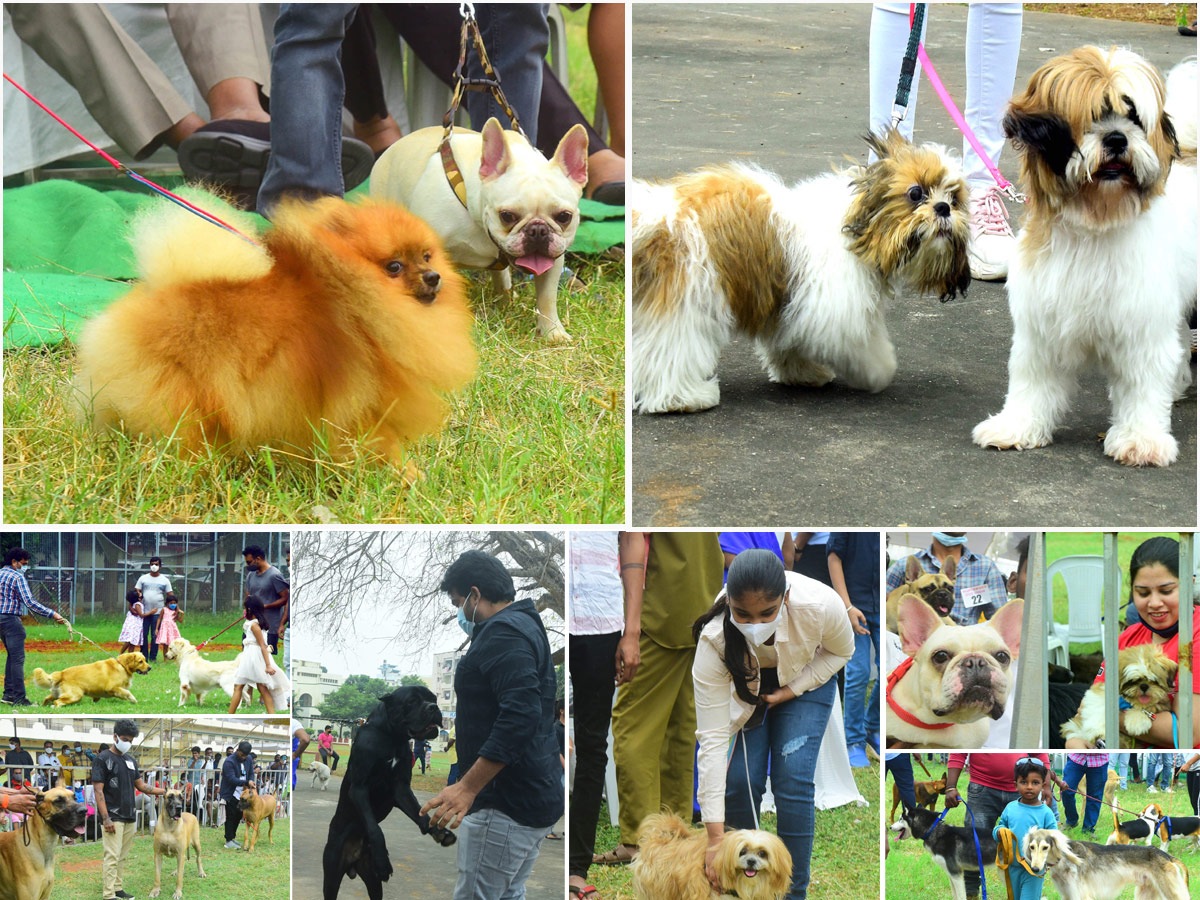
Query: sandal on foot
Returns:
{"type": "Point", "coordinates": [614, 857]}
{"type": "Point", "coordinates": [585, 891]}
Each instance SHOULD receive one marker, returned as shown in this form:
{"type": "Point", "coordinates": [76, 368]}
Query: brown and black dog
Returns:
{"type": "Point", "coordinates": [27, 854]}
{"type": "Point", "coordinates": [927, 793]}
{"type": "Point", "coordinates": [935, 588]}
{"type": "Point", "coordinates": [255, 807]}
{"type": "Point", "coordinates": [177, 834]}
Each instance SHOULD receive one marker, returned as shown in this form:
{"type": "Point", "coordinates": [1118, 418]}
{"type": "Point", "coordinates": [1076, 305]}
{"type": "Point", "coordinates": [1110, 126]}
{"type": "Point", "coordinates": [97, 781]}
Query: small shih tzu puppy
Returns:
{"type": "Point", "coordinates": [804, 270]}
{"type": "Point", "coordinates": [753, 865]}
{"type": "Point", "coordinates": [1105, 267]}
{"type": "Point", "coordinates": [1147, 680]}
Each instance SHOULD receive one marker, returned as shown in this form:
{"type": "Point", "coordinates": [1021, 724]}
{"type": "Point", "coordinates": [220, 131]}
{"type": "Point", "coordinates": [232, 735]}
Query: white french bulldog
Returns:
{"type": "Point", "coordinates": [521, 208]}
{"type": "Point", "coordinates": [958, 678]}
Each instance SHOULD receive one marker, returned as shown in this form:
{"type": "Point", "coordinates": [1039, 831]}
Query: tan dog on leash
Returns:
{"type": "Point", "coordinates": [255, 807]}
{"type": "Point", "coordinates": [177, 834]}
{"type": "Point", "coordinates": [27, 854]}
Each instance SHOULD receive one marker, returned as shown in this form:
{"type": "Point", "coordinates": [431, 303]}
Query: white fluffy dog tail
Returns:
{"type": "Point", "coordinates": [175, 246]}
{"type": "Point", "coordinates": [1181, 105]}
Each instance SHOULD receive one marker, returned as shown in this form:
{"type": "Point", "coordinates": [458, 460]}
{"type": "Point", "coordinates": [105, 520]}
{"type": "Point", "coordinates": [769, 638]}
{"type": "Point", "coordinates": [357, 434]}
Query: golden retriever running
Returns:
{"type": "Point", "coordinates": [106, 678]}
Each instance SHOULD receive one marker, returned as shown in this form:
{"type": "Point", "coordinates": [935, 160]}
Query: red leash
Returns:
{"type": "Point", "coordinates": [221, 632]}
{"type": "Point", "coordinates": [141, 179]}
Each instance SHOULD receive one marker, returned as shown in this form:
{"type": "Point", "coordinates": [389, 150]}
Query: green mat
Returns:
{"type": "Point", "coordinates": [66, 253]}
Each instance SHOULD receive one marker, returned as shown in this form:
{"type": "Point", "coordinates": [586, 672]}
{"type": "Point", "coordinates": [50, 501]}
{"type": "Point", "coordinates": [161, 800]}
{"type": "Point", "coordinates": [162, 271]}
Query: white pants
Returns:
{"type": "Point", "coordinates": [993, 43]}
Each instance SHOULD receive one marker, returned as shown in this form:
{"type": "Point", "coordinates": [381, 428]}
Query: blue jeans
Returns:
{"type": "Point", "coordinates": [307, 91]}
{"type": "Point", "coordinates": [516, 37]}
{"type": "Point", "coordinates": [860, 722]}
{"type": "Point", "coordinates": [789, 739]}
{"type": "Point", "coordinates": [453, 777]}
{"type": "Point", "coordinates": [1122, 768]}
{"type": "Point", "coordinates": [495, 856]}
{"type": "Point", "coordinates": [12, 634]}
{"type": "Point", "coordinates": [1073, 773]}
{"type": "Point", "coordinates": [901, 771]}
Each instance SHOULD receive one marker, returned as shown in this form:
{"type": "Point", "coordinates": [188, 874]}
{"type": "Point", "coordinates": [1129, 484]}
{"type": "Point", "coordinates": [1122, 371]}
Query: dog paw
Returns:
{"type": "Point", "coordinates": [443, 836]}
{"type": "Point", "coordinates": [154, 893]}
{"type": "Point", "coordinates": [555, 334]}
{"type": "Point", "coordinates": [1131, 447]}
{"type": "Point", "coordinates": [178, 895]}
{"type": "Point", "coordinates": [382, 866]}
{"type": "Point", "coordinates": [1008, 433]}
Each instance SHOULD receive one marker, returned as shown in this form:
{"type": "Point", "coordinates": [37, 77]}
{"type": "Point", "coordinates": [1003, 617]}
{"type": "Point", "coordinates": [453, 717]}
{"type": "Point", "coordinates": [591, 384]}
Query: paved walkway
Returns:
{"type": "Point", "coordinates": [422, 868]}
{"type": "Point", "coordinates": [785, 86]}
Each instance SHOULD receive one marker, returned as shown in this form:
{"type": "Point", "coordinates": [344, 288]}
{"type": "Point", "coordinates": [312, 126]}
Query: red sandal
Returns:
{"type": "Point", "coordinates": [585, 891]}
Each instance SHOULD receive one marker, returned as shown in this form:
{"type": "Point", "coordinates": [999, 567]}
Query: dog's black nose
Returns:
{"type": "Point", "coordinates": [432, 278]}
{"type": "Point", "coordinates": [942, 209]}
{"type": "Point", "coordinates": [1115, 143]}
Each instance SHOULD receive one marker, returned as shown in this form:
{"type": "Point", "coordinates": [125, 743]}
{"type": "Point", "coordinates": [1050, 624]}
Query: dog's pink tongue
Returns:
{"type": "Point", "coordinates": [750, 873]}
{"type": "Point", "coordinates": [535, 264]}
{"type": "Point", "coordinates": [79, 829]}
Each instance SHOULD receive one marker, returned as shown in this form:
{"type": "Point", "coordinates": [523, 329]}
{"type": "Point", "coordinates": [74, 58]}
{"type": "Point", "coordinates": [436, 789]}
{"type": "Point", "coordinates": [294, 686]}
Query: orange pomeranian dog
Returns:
{"type": "Point", "coordinates": [349, 317]}
{"type": "Point", "coordinates": [752, 865]}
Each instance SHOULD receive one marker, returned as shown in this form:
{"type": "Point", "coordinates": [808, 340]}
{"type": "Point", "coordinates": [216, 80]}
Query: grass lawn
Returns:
{"type": "Point", "coordinates": [268, 869]}
{"type": "Point", "coordinates": [157, 692]}
{"type": "Point", "coordinates": [537, 437]}
{"type": "Point", "coordinates": [911, 874]}
{"type": "Point", "coordinates": [1060, 544]}
{"type": "Point", "coordinates": [845, 859]}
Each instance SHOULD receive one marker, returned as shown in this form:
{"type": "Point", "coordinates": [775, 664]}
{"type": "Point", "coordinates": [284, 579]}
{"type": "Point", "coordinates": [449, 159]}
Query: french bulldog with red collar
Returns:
{"type": "Point", "coordinates": [521, 209]}
{"type": "Point", "coordinates": [955, 677]}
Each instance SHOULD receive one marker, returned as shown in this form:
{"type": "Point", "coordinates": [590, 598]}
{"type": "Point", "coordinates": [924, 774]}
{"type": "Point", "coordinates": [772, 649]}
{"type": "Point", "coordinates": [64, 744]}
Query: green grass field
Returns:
{"type": "Point", "coordinates": [1060, 544]}
{"type": "Point", "coordinates": [845, 858]}
{"type": "Point", "coordinates": [268, 868]}
{"type": "Point", "coordinates": [158, 691]}
{"type": "Point", "coordinates": [911, 874]}
{"type": "Point", "coordinates": [537, 437]}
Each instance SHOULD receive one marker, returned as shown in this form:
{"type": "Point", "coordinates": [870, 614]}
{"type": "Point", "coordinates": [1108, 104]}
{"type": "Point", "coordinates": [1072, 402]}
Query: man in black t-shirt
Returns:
{"type": "Point", "coordinates": [17, 757]}
{"type": "Point", "coordinates": [114, 776]}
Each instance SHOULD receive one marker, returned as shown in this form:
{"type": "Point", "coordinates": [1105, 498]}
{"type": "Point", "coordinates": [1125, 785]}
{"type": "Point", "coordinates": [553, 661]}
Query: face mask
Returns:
{"type": "Point", "coordinates": [153, 569]}
{"type": "Point", "coordinates": [78, 749]}
{"type": "Point", "coordinates": [122, 746]}
{"type": "Point", "coordinates": [948, 541]}
{"type": "Point", "coordinates": [172, 605]}
{"type": "Point", "coordinates": [758, 633]}
{"type": "Point", "coordinates": [12, 746]}
{"type": "Point", "coordinates": [467, 625]}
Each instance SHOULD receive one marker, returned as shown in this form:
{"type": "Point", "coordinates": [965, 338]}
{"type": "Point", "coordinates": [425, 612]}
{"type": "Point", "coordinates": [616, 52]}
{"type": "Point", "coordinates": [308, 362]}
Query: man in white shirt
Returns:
{"type": "Point", "coordinates": [152, 588]}
{"type": "Point", "coordinates": [49, 764]}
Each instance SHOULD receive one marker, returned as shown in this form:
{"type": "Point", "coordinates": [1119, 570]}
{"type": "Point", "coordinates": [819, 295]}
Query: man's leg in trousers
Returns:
{"type": "Point", "coordinates": [678, 759]}
{"type": "Point", "coordinates": [986, 804]}
{"type": "Point", "coordinates": [112, 853]}
{"type": "Point", "coordinates": [233, 818]}
{"type": "Point", "coordinates": [593, 668]}
{"type": "Point", "coordinates": [125, 831]}
{"type": "Point", "coordinates": [642, 706]}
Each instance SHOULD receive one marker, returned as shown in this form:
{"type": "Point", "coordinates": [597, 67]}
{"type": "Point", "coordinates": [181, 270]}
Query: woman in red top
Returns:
{"type": "Point", "coordinates": [1154, 585]}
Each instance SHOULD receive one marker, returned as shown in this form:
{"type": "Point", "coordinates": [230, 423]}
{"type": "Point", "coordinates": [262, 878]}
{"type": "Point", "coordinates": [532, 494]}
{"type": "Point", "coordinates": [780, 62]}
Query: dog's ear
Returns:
{"type": "Point", "coordinates": [1047, 135]}
{"type": "Point", "coordinates": [1165, 668]}
{"type": "Point", "coordinates": [1063, 845]}
{"type": "Point", "coordinates": [494, 158]}
{"type": "Point", "coordinates": [571, 155]}
{"type": "Point", "coordinates": [949, 567]}
{"type": "Point", "coordinates": [912, 569]}
{"type": "Point", "coordinates": [1007, 623]}
{"type": "Point", "coordinates": [916, 621]}
{"type": "Point", "coordinates": [59, 782]}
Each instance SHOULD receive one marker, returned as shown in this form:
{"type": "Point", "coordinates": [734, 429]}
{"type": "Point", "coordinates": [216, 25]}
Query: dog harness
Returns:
{"type": "Point", "coordinates": [893, 679]}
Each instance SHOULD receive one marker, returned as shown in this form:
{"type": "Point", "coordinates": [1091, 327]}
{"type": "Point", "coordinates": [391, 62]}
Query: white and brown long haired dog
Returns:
{"type": "Point", "coordinates": [804, 270]}
{"type": "Point", "coordinates": [1105, 268]}
{"type": "Point", "coordinates": [754, 865]}
{"type": "Point", "coordinates": [1147, 677]}
{"type": "Point", "coordinates": [1084, 871]}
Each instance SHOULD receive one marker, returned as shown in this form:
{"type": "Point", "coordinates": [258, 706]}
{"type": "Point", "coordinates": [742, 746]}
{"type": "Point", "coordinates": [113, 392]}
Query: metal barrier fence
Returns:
{"type": "Point", "coordinates": [201, 788]}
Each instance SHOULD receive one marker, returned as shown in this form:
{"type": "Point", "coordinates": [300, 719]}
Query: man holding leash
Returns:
{"type": "Point", "coordinates": [510, 792]}
{"type": "Point", "coordinates": [236, 772]}
{"type": "Point", "coordinates": [15, 592]}
{"type": "Point", "coordinates": [267, 583]}
{"type": "Point", "coordinates": [114, 776]}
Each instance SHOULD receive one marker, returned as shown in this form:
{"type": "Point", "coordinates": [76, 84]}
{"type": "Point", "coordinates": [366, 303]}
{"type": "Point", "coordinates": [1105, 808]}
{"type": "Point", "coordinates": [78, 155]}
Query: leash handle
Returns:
{"type": "Point", "coordinates": [908, 65]}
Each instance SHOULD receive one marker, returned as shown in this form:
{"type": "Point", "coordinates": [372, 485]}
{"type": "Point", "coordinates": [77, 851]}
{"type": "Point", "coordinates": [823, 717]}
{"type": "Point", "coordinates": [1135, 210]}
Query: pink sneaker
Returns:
{"type": "Point", "coordinates": [992, 241]}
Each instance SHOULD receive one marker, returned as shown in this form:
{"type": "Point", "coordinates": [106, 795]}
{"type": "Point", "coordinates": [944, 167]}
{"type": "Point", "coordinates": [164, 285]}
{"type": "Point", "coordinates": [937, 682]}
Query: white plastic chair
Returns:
{"type": "Point", "coordinates": [1084, 578]}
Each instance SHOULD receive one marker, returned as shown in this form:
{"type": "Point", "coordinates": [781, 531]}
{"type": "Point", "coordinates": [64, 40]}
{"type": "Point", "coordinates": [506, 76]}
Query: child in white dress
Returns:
{"type": "Point", "coordinates": [255, 665]}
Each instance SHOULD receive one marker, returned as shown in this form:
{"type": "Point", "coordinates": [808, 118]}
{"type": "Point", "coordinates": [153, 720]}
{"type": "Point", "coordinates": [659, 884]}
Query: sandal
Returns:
{"type": "Point", "coordinates": [614, 857]}
{"type": "Point", "coordinates": [585, 891]}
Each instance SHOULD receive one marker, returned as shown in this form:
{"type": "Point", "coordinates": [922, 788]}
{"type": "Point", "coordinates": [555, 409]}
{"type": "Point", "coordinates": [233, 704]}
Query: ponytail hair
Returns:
{"type": "Point", "coordinates": [758, 571]}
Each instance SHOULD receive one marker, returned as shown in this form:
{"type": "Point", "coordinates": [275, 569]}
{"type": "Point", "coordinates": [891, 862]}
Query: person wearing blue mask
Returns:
{"type": "Point", "coordinates": [509, 793]}
{"type": "Point", "coordinates": [979, 588]}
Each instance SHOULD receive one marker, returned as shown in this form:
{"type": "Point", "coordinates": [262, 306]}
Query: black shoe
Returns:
{"type": "Point", "coordinates": [21, 702]}
{"type": "Point", "coordinates": [124, 896]}
{"type": "Point", "coordinates": [1188, 30]}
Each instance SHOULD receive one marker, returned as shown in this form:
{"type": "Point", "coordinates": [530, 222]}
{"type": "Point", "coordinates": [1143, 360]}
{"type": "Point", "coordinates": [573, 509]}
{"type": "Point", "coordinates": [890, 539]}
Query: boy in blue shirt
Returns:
{"type": "Point", "coordinates": [1022, 816]}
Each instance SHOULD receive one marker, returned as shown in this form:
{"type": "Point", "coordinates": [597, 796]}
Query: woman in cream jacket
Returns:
{"type": "Point", "coordinates": [766, 656]}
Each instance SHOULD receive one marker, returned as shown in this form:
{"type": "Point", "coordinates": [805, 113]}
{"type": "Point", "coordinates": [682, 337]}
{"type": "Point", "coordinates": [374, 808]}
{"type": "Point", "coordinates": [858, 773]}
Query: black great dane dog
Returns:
{"type": "Point", "coordinates": [378, 778]}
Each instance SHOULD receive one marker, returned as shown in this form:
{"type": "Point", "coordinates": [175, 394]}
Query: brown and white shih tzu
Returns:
{"type": "Point", "coordinates": [753, 865]}
{"type": "Point", "coordinates": [1105, 268]}
{"type": "Point", "coordinates": [805, 270]}
{"type": "Point", "coordinates": [1147, 677]}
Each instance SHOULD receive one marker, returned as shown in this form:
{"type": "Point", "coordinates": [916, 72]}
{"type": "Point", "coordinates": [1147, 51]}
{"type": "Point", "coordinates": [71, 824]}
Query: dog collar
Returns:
{"type": "Point", "coordinates": [893, 679]}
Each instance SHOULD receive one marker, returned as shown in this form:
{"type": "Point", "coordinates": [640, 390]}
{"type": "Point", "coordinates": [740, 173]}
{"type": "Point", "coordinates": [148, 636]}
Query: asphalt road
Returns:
{"type": "Point", "coordinates": [421, 867]}
{"type": "Point", "coordinates": [785, 86]}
